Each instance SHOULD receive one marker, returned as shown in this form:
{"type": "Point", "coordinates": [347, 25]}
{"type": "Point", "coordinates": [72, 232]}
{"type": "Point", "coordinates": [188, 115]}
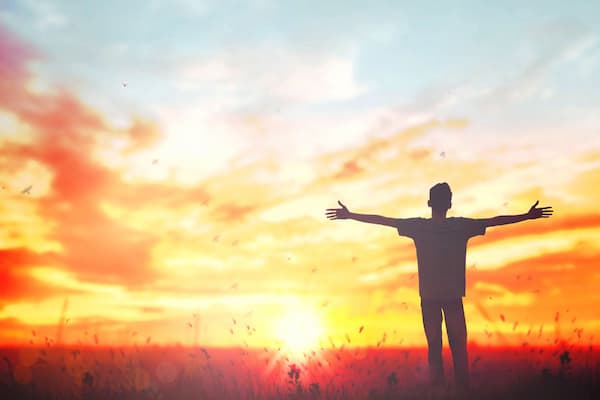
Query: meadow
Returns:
{"type": "Point", "coordinates": [178, 372]}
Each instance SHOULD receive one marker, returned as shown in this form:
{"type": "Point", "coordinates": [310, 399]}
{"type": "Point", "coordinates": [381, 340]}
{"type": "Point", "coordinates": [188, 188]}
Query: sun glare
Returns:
{"type": "Point", "coordinates": [299, 331]}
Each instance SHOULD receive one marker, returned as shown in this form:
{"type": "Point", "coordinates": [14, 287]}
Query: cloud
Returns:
{"type": "Point", "coordinates": [142, 134]}
{"type": "Point", "coordinates": [231, 213]}
{"type": "Point", "coordinates": [14, 56]}
{"type": "Point", "coordinates": [151, 309]}
{"type": "Point", "coordinates": [11, 324]}
{"type": "Point", "coordinates": [559, 43]}
{"type": "Point", "coordinates": [271, 77]}
{"type": "Point", "coordinates": [573, 222]}
{"type": "Point", "coordinates": [64, 135]}
{"type": "Point", "coordinates": [349, 170]}
{"type": "Point", "coordinates": [585, 183]}
{"type": "Point", "coordinates": [550, 283]}
{"type": "Point", "coordinates": [502, 295]}
{"type": "Point", "coordinates": [79, 184]}
{"type": "Point", "coordinates": [381, 154]}
{"type": "Point", "coordinates": [314, 82]}
{"type": "Point", "coordinates": [564, 270]}
{"type": "Point", "coordinates": [529, 76]}
{"type": "Point", "coordinates": [15, 282]}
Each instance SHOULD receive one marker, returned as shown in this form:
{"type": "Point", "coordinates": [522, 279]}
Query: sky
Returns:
{"type": "Point", "coordinates": [179, 157]}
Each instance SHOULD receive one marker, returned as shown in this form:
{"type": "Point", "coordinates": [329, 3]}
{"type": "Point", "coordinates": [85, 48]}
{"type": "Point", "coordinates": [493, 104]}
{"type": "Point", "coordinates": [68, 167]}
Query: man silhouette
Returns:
{"type": "Point", "coordinates": [441, 245]}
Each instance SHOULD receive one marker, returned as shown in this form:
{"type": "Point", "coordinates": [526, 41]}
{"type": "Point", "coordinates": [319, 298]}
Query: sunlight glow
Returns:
{"type": "Point", "coordinates": [299, 331]}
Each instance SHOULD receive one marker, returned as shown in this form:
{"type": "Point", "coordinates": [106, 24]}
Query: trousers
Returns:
{"type": "Point", "coordinates": [456, 328]}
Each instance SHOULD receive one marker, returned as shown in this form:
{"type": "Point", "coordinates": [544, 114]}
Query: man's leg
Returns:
{"type": "Point", "coordinates": [432, 322]}
{"type": "Point", "coordinates": [456, 327]}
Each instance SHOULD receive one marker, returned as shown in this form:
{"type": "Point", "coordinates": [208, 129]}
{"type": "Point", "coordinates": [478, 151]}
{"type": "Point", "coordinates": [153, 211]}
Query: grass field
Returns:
{"type": "Point", "coordinates": [154, 372]}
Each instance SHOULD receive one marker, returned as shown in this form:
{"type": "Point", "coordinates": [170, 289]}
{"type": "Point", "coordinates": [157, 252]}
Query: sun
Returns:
{"type": "Point", "coordinates": [299, 331]}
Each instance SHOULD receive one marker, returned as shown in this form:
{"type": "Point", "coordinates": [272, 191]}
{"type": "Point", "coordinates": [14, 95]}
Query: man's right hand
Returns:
{"type": "Point", "coordinates": [338, 213]}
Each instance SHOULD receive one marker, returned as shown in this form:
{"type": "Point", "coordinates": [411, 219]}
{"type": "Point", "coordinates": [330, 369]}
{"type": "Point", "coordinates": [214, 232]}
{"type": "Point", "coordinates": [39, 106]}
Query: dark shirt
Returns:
{"type": "Point", "coordinates": [441, 253]}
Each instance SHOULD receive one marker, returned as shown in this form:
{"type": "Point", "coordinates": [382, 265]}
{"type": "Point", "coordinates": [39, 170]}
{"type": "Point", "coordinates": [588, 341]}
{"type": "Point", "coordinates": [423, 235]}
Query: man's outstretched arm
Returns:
{"type": "Point", "coordinates": [533, 213]}
{"type": "Point", "coordinates": [344, 213]}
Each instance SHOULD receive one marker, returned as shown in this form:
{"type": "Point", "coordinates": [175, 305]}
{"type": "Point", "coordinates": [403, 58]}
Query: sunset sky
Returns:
{"type": "Point", "coordinates": [181, 155]}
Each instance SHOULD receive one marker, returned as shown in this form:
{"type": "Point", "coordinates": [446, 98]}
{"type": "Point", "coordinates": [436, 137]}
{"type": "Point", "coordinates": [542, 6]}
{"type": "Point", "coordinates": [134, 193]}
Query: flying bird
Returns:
{"type": "Point", "coordinates": [27, 190]}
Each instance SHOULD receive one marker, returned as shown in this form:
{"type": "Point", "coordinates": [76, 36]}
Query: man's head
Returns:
{"type": "Point", "coordinates": [440, 197]}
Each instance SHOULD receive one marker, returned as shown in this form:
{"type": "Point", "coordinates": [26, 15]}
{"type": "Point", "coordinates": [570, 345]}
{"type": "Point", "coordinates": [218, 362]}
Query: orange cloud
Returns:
{"type": "Point", "coordinates": [64, 135]}
{"type": "Point", "coordinates": [555, 224]}
{"type": "Point", "coordinates": [563, 270]}
{"type": "Point", "coordinates": [141, 135]}
{"type": "Point", "coordinates": [15, 283]}
{"type": "Point", "coordinates": [232, 212]}
{"type": "Point", "coordinates": [349, 170]}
